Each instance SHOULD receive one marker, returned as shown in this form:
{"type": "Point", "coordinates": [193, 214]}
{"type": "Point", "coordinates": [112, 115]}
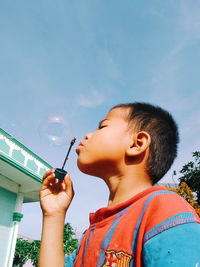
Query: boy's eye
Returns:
{"type": "Point", "coordinates": [101, 126]}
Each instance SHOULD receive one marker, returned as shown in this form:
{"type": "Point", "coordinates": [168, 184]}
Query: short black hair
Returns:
{"type": "Point", "coordinates": [162, 128]}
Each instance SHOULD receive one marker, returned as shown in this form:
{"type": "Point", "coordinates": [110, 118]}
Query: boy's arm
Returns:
{"type": "Point", "coordinates": [177, 246]}
{"type": "Point", "coordinates": [172, 232]}
{"type": "Point", "coordinates": [51, 249]}
{"type": "Point", "coordinates": [55, 198]}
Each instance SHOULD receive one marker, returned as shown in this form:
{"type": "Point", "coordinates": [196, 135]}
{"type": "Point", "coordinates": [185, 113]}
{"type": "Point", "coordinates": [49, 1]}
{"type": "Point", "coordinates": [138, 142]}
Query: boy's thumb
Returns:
{"type": "Point", "coordinates": [69, 184]}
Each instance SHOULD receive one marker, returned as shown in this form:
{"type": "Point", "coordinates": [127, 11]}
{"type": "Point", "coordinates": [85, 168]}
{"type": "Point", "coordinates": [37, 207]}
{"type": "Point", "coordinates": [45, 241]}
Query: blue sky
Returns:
{"type": "Point", "coordinates": [65, 63]}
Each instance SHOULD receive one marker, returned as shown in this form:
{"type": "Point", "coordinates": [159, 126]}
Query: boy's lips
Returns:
{"type": "Point", "coordinates": [79, 147]}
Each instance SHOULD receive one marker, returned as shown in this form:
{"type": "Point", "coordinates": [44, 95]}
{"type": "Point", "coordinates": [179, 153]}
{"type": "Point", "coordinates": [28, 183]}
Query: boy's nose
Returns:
{"type": "Point", "coordinates": [88, 135]}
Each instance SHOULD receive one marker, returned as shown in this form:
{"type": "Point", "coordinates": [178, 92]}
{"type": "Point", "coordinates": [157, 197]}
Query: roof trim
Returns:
{"type": "Point", "coordinates": [20, 168]}
{"type": "Point", "coordinates": [24, 147]}
{"type": "Point", "coordinates": [30, 164]}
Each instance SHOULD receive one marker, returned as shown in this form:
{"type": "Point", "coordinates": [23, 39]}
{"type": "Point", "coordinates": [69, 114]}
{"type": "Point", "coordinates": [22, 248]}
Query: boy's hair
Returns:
{"type": "Point", "coordinates": [164, 135]}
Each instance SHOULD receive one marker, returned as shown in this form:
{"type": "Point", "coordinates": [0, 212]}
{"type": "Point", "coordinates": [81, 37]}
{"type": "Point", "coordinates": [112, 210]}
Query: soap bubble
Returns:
{"type": "Point", "coordinates": [56, 130]}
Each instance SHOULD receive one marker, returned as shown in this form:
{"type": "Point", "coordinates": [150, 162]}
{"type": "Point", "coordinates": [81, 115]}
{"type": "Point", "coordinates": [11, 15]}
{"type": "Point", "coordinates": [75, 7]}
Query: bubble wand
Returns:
{"type": "Point", "coordinates": [60, 173]}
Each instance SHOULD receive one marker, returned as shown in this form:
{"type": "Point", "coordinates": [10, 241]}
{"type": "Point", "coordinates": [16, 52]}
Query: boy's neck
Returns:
{"type": "Point", "coordinates": [127, 186]}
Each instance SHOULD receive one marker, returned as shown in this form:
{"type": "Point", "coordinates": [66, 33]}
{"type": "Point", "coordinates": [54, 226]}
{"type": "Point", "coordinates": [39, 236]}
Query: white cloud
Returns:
{"type": "Point", "coordinates": [92, 98]}
{"type": "Point", "coordinates": [177, 49]}
{"type": "Point", "coordinates": [189, 17]}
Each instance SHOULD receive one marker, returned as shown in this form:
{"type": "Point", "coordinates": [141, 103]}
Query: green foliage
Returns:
{"type": "Point", "coordinates": [34, 252]}
{"type": "Point", "coordinates": [70, 243]}
{"type": "Point", "coordinates": [26, 250]}
{"type": "Point", "coordinates": [22, 252]}
{"type": "Point", "coordinates": [191, 174]}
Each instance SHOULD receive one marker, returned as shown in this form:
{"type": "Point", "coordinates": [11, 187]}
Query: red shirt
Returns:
{"type": "Point", "coordinates": [117, 235]}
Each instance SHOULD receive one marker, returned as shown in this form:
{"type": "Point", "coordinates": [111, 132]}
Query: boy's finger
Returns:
{"type": "Point", "coordinates": [49, 179]}
{"type": "Point", "coordinates": [67, 179]}
{"type": "Point", "coordinates": [69, 184]}
{"type": "Point", "coordinates": [49, 172]}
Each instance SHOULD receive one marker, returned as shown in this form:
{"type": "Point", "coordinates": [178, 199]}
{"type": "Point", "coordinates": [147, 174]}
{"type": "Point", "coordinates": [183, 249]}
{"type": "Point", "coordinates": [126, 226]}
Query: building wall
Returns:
{"type": "Point", "coordinates": [7, 207]}
{"type": "Point", "coordinates": [20, 179]}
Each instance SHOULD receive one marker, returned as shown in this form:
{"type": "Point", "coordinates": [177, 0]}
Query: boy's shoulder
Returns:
{"type": "Point", "coordinates": [158, 203]}
{"type": "Point", "coordinates": [165, 201]}
{"type": "Point", "coordinates": [166, 209]}
{"type": "Point", "coordinates": [169, 222]}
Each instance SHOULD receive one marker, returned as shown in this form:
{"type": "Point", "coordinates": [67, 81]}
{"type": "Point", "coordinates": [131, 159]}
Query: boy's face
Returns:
{"type": "Point", "coordinates": [103, 151]}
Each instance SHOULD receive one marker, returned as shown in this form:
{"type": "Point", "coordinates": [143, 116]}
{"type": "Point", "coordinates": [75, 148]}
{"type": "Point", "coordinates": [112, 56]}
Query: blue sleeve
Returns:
{"type": "Point", "coordinates": [175, 247]}
{"type": "Point", "coordinates": [69, 260]}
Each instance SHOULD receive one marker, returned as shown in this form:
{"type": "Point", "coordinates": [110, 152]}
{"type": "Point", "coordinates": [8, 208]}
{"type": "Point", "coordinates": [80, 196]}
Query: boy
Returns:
{"type": "Point", "coordinates": [143, 225]}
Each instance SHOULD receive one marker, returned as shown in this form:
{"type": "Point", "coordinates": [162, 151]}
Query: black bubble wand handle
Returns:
{"type": "Point", "coordinates": [60, 173]}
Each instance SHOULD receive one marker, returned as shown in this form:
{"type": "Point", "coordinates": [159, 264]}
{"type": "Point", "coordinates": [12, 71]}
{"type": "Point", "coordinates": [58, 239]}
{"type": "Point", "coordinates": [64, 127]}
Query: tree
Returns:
{"type": "Point", "coordinates": [191, 174]}
{"type": "Point", "coordinates": [22, 251]}
{"type": "Point", "coordinates": [70, 243]}
{"type": "Point", "coordinates": [34, 253]}
{"type": "Point", "coordinates": [184, 191]}
{"type": "Point", "coordinates": [30, 250]}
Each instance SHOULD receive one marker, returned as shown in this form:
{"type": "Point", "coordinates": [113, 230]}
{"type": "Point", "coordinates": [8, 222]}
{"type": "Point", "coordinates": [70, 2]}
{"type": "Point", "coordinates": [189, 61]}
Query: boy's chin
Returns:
{"type": "Point", "coordinates": [87, 169]}
{"type": "Point", "coordinates": [84, 168]}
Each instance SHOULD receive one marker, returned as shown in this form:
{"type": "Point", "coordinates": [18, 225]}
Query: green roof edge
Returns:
{"type": "Point", "coordinates": [21, 168]}
{"type": "Point", "coordinates": [25, 148]}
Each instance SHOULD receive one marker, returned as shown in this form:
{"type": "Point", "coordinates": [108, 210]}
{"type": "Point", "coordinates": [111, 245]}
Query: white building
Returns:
{"type": "Point", "coordinates": [21, 174]}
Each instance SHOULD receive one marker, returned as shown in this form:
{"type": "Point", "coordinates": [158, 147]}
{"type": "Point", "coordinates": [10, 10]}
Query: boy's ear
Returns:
{"type": "Point", "coordinates": [139, 143]}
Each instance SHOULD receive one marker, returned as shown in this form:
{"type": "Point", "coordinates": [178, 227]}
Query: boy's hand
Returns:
{"type": "Point", "coordinates": [55, 195]}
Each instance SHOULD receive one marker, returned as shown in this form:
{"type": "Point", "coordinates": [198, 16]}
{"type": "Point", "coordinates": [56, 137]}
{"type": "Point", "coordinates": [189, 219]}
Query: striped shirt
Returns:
{"type": "Point", "coordinates": [154, 228]}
